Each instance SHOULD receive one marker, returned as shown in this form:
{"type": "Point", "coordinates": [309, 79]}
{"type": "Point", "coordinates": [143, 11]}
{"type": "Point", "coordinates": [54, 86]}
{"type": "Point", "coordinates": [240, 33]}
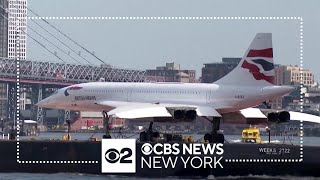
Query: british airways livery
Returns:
{"type": "Point", "coordinates": [248, 85]}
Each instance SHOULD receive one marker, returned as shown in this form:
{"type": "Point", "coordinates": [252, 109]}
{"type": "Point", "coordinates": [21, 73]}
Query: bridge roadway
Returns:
{"type": "Point", "coordinates": [42, 78]}
{"type": "Point", "coordinates": [55, 73]}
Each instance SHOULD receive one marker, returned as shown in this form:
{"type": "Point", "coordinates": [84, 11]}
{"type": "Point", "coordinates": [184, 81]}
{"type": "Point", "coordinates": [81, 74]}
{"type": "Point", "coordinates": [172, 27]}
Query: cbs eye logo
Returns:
{"type": "Point", "coordinates": [113, 155]}
{"type": "Point", "coordinates": [118, 155]}
{"type": "Point", "coordinates": [146, 148]}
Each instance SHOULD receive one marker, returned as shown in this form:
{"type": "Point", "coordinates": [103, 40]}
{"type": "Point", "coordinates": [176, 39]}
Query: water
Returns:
{"type": "Point", "coordinates": [307, 141]}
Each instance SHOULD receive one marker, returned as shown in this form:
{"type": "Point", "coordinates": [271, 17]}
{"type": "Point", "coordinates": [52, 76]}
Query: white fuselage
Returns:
{"type": "Point", "coordinates": [223, 98]}
{"type": "Point", "coordinates": [247, 85]}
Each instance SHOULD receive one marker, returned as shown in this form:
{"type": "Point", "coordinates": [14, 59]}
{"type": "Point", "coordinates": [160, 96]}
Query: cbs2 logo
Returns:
{"type": "Point", "coordinates": [113, 155]}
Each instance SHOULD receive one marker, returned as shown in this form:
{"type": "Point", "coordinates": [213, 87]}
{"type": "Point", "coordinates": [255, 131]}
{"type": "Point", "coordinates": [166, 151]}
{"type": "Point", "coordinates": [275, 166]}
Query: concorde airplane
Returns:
{"type": "Point", "coordinates": [246, 86]}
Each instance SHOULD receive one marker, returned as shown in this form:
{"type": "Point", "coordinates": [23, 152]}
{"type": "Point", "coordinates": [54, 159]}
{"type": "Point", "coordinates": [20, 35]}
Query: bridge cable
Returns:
{"type": "Point", "coordinates": [33, 38]}
{"type": "Point", "coordinates": [65, 35]}
{"type": "Point", "coordinates": [48, 40]}
{"type": "Point", "coordinates": [62, 42]}
{"type": "Point", "coordinates": [53, 36]}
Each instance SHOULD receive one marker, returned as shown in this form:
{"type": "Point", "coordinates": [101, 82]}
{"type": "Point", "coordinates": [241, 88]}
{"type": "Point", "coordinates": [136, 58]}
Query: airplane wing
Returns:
{"type": "Point", "coordinates": [207, 111]}
{"type": "Point", "coordinates": [262, 113]}
{"type": "Point", "coordinates": [130, 110]}
{"type": "Point", "coordinates": [304, 117]}
{"type": "Point", "coordinates": [133, 112]}
{"type": "Point", "coordinates": [252, 113]}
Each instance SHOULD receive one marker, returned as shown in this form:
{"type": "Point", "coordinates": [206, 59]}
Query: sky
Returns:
{"type": "Point", "coordinates": [145, 44]}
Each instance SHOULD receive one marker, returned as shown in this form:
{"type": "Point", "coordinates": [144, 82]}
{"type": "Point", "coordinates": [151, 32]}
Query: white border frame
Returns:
{"type": "Point", "coordinates": [300, 19]}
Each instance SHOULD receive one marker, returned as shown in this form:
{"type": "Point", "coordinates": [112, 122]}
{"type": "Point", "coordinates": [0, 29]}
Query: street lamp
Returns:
{"type": "Point", "coordinates": [268, 130]}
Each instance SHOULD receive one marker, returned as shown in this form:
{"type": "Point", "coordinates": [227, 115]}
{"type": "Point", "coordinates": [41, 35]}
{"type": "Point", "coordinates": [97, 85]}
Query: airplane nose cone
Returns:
{"type": "Point", "coordinates": [39, 104]}
{"type": "Point", "coordinates": [42, 103]}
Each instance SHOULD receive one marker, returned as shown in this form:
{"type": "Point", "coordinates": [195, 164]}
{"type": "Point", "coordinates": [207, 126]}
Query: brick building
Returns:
{"type": "Point", "coordinates": [170, 73]}
{"type": "Point", "coordinates": [212, 72]}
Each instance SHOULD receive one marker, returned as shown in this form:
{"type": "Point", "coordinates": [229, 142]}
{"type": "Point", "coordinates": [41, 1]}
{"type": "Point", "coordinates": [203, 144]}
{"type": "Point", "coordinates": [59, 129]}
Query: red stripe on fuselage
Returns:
{"type": "Point", "coordinates": [268, 53]}
{"type": "Point", "coordinates": [255, 71]}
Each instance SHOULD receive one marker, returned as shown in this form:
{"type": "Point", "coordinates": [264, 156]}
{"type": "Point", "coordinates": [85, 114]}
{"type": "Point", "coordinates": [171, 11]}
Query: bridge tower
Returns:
{"type": "Point", "coordinates": [64, 116]}
{"type": "Point", "coordinates": [12, 101]}
{"type": "Point", "coordinates": [61, 115]}
{"type": "Point", "coordinates": [39, 109]}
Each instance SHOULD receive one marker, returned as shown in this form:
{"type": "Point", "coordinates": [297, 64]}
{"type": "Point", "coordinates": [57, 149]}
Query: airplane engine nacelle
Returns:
{"type": "Point", "coordinates": [273, 117]}
{"type": "Point", "coordinates": [179, 114]}
{"type": "Point", "coordinates": [185, 115]}
{"type": "Point", "coordinates": [191, 115]}
{"type": "Point", "coordinates": [284, 116]}
{"type": "Point", "coordinates": [279, 117]}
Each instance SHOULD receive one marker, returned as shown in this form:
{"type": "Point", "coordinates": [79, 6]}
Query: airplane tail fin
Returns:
{"type": "Point", "coordinates": [256, 67]}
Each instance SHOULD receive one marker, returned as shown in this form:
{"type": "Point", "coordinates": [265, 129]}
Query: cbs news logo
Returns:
{"type": "Point", "coordinates": [118, 156]}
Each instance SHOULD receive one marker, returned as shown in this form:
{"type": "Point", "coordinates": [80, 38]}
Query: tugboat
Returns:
{"type": "Point", "coordinates": [251, 135]}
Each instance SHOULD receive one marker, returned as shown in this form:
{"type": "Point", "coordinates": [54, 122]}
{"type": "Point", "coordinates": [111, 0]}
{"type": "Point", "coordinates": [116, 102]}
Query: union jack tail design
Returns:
{"type": "Point", "coordinates": [256, 67]}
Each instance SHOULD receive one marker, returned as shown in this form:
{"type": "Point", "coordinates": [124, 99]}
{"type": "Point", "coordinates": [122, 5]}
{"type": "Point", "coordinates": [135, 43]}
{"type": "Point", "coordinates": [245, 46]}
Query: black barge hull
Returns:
{"type": "Point", "coordinates": [85, 157]}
